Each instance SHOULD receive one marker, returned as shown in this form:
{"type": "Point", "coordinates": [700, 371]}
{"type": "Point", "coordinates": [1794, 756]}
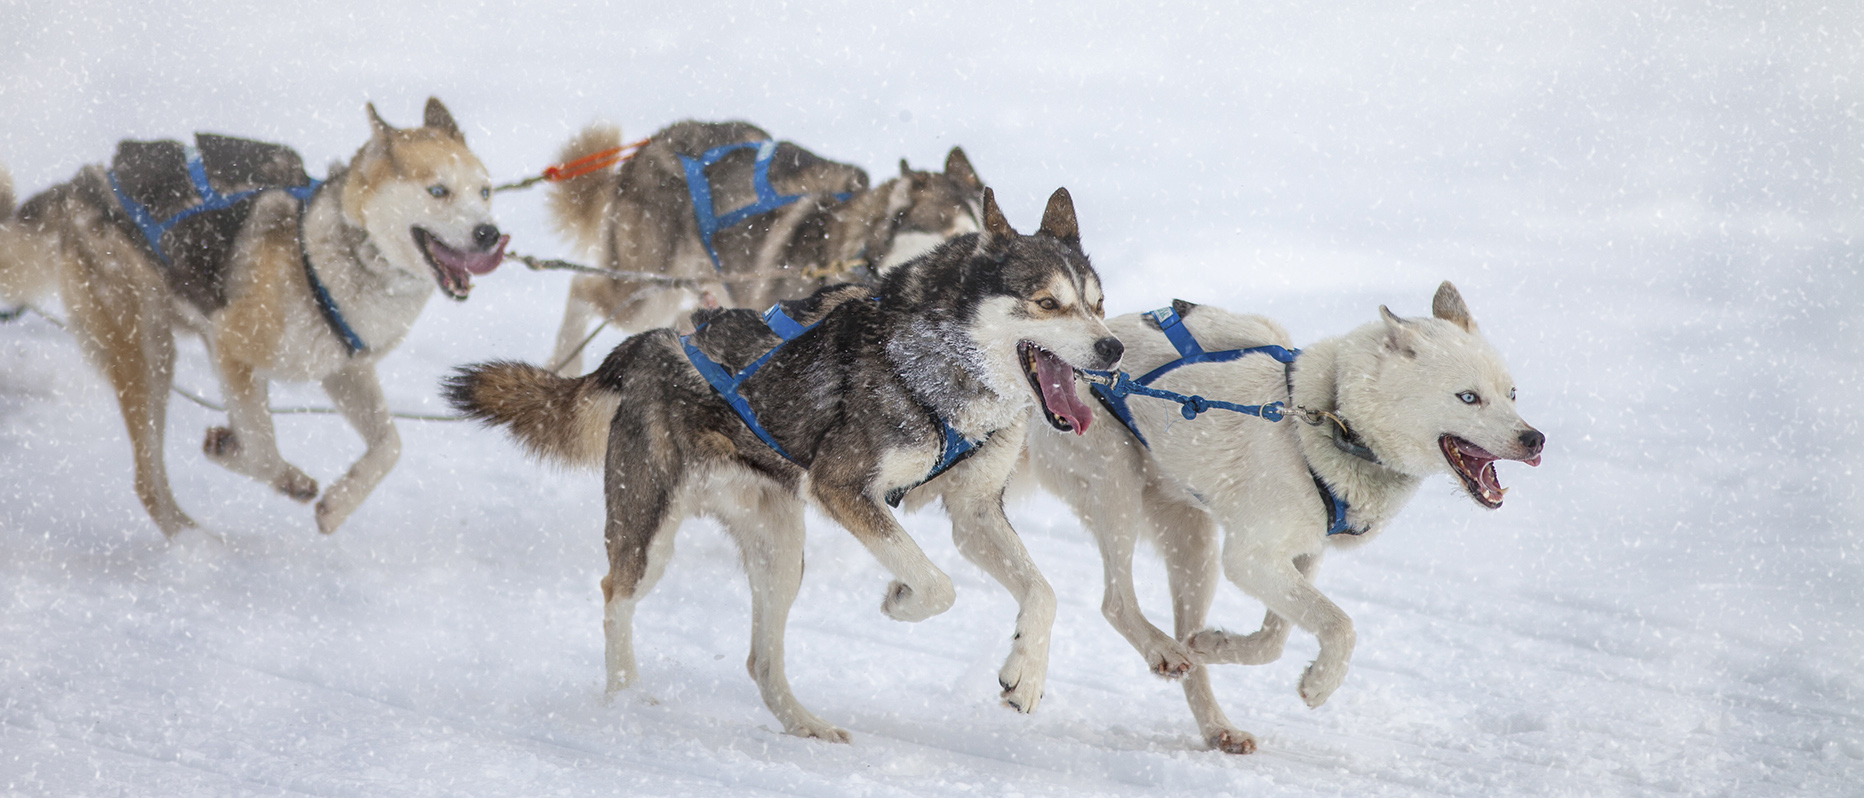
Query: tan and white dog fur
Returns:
{"type": "Point", "coordinates": [410, 210]}
{"type": "Point", "coordinates": [1425, 395]}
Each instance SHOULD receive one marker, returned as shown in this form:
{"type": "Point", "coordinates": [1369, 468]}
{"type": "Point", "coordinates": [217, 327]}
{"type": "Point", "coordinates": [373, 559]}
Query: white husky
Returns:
{"type": "Point", "coordinates": [1391, 403]}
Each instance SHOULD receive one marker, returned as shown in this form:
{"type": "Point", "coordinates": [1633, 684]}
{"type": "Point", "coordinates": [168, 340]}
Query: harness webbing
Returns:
{"type": "Point", "coordinates": [955, 448]}
{"type": "Point", "coordinates": [326, 305]}
{"type": "Point", "coordinates": [700, 187]}
{"type": "Point", "coordinates": [1113, 397]}
{"type": "Point", "coordinates": [154, 229]}
{"type": "Point", "coordinates": [1189, 351]}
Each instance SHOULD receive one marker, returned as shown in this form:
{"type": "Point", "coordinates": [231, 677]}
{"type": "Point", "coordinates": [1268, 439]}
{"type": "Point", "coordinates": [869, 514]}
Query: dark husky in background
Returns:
{"type": "Point", "coordinates": [964, 341]}
{"type": "Point", "coordinates": [280, 288]}
{"type": "Point", "coordinates": [640, 218]}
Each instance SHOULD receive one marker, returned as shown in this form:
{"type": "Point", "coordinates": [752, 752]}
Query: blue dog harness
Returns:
{"type": "Point", "coordinates": [956, 447]}
{"type": "Point", "coordinates": [154, 229]}
{"type": "Point", "coordinates": [1119, 386]}
{"type": "Point", "coordinates": [700, 188]}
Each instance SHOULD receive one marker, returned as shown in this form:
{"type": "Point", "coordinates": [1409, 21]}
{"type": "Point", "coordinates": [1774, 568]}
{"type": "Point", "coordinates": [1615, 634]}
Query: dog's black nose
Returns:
{"type": "Point", "coordinates": [1109, 349]}
{"type": "Point", "coordinates": [1533, 440]}
{"type": "Point", "coordinates": [485, 236]}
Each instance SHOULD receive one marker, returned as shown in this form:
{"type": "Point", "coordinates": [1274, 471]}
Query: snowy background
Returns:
{"type": "Point", "coordinates": [1653, 209]}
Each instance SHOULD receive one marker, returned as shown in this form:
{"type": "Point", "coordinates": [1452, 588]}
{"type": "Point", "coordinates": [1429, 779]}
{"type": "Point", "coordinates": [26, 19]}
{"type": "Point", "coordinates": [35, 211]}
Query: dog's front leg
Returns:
{"type": "Point", "coordinates": [973, 494]}
{"type": "Point", "coordinates": [984, 537]}
{"type": "Point", "coordinates": [1277, 582]}
{"type": "Point", "coordinates": [358, 396]}
{"type": "Point", "coordinates": [249, 444]}
{"type": "Point", "coordinates": [919, 590]}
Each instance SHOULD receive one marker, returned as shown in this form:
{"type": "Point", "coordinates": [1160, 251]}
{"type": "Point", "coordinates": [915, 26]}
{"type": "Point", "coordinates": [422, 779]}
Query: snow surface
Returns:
{"type": "Point", "coordinates": [1652, 207]}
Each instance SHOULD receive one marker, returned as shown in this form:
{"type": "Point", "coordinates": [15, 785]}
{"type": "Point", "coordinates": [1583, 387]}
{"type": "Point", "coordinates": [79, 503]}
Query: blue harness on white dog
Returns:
{"type": "Point", "coordinates": [701, 190]}
{"type": "Point", "coordinates": [1118, 386]}
{"type": "Point", "coordinates": [154, 229]}
{"type": "Point", "coordinates": [956, 447]}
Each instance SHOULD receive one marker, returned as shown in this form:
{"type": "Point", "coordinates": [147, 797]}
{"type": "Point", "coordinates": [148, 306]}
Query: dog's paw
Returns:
{"type": "Point", "coordinates": [1022, 679]}
{"type": "Point", "coordinates": [1217, 647]}
{"type": "Point", "coordinates": [1167, 658]}
{"type": "Point", "coordinates": [296, 485]}
{"type": "Point", "coordinates": [619, 681]}
{"type": "Point", "coordinates": [1319, 681]}
{"type": "Point", "coordinates": [1233, 741]}
{"type": "Point", "coordinates": [818, 729]}
{"type": "Point", "coordinates": [221, 444]}
{"type": "Point", "coordinates": [903, 603]}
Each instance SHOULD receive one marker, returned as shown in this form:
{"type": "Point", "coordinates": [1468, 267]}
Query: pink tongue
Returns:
{"type": "Point", "coordinates": [1058, 394]}
{"type": "Point", "coordinates": [471, 262]}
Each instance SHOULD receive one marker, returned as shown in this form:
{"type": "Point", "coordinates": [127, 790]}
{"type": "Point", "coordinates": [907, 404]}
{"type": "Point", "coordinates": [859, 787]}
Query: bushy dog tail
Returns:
{"type": "Point", "coordinates": [561, 420]}
{"type": "Point", "coordinates": [578, 205]}
{"type": "Point", "coordinates": [28, 262]}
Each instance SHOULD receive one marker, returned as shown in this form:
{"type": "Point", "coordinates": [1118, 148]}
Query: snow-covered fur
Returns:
{"type": "Point", "coordinates": [411, 210]}
{"type": "Point", "coordinates": [1425, 395]}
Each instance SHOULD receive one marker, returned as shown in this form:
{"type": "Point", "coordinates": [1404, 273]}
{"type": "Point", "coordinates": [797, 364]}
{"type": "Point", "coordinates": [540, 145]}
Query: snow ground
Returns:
{"type": "Point", "coordinates": [1652, 207]}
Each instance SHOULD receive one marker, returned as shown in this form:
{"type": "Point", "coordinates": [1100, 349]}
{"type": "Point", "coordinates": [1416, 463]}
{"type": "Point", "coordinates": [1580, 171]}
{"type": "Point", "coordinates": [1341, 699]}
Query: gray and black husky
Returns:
{"type": "Point", "coordinates": [870, 398]}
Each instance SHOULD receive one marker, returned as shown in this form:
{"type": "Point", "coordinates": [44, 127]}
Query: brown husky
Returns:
{"type": "Point", "coordinates": [640, 218]}
{"type": "Point", "coordinates": [282, 277]}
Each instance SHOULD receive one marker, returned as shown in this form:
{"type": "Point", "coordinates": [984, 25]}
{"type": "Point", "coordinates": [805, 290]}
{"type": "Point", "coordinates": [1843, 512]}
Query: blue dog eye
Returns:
{"type": "Point", "coordinates": [439, 192]}
{"type": "Point", "coordinates": [1469, 397]}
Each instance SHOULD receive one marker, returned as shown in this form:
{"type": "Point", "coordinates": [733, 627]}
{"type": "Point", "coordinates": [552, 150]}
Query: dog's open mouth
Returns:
{"type": "Point", "coordinates": [1476, 468]}
{"type": "Point", "coordinates": [454, 268]}
{"type": "Point", "coordinates": [1053, 381]}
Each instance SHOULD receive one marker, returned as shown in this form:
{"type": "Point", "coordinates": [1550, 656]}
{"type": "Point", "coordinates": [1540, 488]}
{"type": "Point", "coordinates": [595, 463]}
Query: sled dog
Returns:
{"type": "Point", "coordinates": [1396, 400]}
{"type": "Point", "coordinates": [283, 277]}
{"type": "Point", "coordinates": [780, 223]}
{"type": "Point", "coordinates": [868, 394]}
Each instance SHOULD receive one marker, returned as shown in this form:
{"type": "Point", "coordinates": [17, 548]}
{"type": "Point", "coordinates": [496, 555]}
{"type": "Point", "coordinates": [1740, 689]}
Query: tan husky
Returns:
{"type": "Point", "coordinates": [284, 278]}
{"type": "Point", "coordinates": [640, 218]}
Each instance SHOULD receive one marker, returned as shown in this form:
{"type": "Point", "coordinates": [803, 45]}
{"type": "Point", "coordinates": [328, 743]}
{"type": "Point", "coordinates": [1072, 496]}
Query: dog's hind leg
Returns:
{"type": "Point", "coordinates": [249, 444]}
{"type": "Point", "coordinates": [619, 598]}
{"type": "Point", "coordinates": [1187, 538]}
{"type": "Point", "coordinates": [769, 531]}
{"type": "Point", "coordinates": [578, 311]}
{"type": "Point", "coordinates": [358, 396]}
{"type": "Point", "coordinates": [640, 487]}
{"type": "Point", "coordinates": [117, 315]}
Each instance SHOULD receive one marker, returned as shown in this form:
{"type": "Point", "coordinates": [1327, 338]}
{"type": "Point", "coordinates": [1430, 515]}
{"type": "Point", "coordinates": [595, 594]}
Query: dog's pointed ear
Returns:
{"type": "Point", "coordinates": [1398, 333]}
{"type": "Point", "coordinates": [905, 171]}
{"type": "Point", "coordinates": [1058, 219]}
{"type": "Point", "coordinates": [900, 197]}
{"type": "Point", "coordinates": [997, 234]}
{"type": "Point", "coordinates": [1449, 306]}
{"type": "Point", "coordinates": [437, 117]}
{"type": "Point", "coordinates": [377, 127]}
{"type": "Point", "coordinates": [958, 167]}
